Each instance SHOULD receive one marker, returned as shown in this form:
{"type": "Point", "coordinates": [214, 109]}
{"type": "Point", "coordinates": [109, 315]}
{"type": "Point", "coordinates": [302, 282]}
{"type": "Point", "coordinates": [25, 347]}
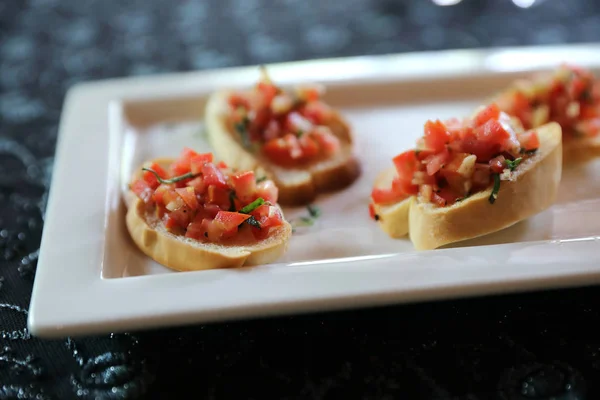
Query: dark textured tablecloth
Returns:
{"type": "Point", "coordinates": [528, 346]}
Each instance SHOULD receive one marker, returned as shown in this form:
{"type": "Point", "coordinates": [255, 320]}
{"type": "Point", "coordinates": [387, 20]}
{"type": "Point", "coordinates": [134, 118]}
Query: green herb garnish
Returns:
{"type": "Point", "coordinates": [253, 222]}
{"type": "Point", "coordinates": [242, 130]}
{"type": "Point", "coordinates": [495, 189]}
{"type": "Point", "coordinates": [175, 179]}
{"type": "Point", "coordinates": [528, 152]}
{"type": "Point", "coordinates": [299, 132]}
{"type": "Point", "coordinates": [261, 179]}
{"type": "Point", "coordinates": [513, 164]}
{"type": "Point", "coordinates": [232, 198]}
{"type": "Point", "coordinates": [252, 206]}
{"type": "Point", "coordinates": [314, 211]}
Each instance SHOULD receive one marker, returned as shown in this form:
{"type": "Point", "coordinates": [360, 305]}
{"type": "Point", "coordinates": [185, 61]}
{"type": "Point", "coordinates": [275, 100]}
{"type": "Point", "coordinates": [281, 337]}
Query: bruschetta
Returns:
{"type": "Point", "coordinates": [192, 213]}
{"type": "Point", "coordinates": [292, 137]}
{"type": "Point", "coordinates": [569, 96]}
{"type": "Point", "coordinates": [468, 178]}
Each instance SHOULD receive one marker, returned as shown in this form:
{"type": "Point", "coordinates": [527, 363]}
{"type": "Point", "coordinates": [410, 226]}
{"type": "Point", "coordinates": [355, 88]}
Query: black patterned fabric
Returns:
{"type": "Point", "coordinates": [528, 346]}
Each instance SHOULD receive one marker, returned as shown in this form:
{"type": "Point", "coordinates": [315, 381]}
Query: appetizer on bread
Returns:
{"type": "Point", "coordinates": [192, 213]}
{"type": "Point", "coordinates": [291, 137]}
{"type": "Point", "coordinates": [468, 178]}
{"type": "Point", "coordinates": [569, 96]}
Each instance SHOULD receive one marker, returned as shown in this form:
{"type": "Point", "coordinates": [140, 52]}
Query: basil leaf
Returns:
{"type": "Point", "coordinates": [314, 211]}
{"type": "Point", "coordinates": [175, 179]}
{"type": "Point", "coordinates": [261, 179]}
{"type": "Point", "coordinates": [495, 189]}
{"type": "Point", "coordinates": [252, 206]}
{"type": "Point", "coordinates": [514, 164]}
{"type": "Point", "coordinates": [253, 222]}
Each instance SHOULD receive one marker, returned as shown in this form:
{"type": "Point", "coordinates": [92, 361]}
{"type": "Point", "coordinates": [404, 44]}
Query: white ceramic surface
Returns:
{"type": "Point", "coordinates": [92, 279]}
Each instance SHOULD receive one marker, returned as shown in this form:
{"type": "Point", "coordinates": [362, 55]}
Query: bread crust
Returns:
{"type": "Point", "coordinates": [298, 185]}
{"type": "Point", "coordinates": [185, 254]}
{"type": "Point", "coordinates": [532, 189]}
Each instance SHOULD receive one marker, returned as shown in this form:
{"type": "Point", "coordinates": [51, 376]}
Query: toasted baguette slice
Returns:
{"type": "Point", "coordinates": [185, 254]}
{"type": "Point", "coordinates": [532, 188]}
{"type": "Point", "coordinates": [297, 186]}
{"type": "Point", "coordinates": [393, 218]}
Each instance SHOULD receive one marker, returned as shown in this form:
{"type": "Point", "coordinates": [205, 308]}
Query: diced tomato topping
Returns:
{"type": "Point", "coordinates": [182, 165]}
{"type": "Point", "coordinates": [268, 191]}
{"type": "Point", "coordinates": [178, 219]}
{"type": "Point", "coordinates": [326, 140]}
{"type": "Point", "coordinates": [406, 163]}
{"type": "Point", "coordinates": [497, 164]}
{"type": "Point", "coordinates": [386, 196]}
{"type": "Point", "coordinates": [219, 196]}
{"type": "Point", "coordinates": [267, 216]}
{"type": "Point", "coordinates": [198, 184]}
{"type": "Point", "coordinates": [141, 188]}
{"type": "Point", "coordinates": [189, 197]}
{"type": "Point", "coordinates": [197, 162]}
{"type": "Point", "coordinates": [268, 91]}
{"type": "Point", "coordinates": [436, 135]}
{"type": "Point", "coordinates": [372, 210]}
{"type": "Point", "coordinates": [244, 184]}
{"type": "Point", "coordinates": [529, 140]}
{"type": "Point", "coordinates": [236, 101]}
{"type": "Point", "coordinates": [437, 161]}
{"type": "Point", "coordinates": [438, 200]}
{"type": "Point", "coordinates": [404, 186]}
{"type": "Point", "coordinates": [490, 112]}
{"type": "Point", "coordinates": [309, 146]}
{"type": "Point", "coordinates": [213, 176]}
{"type": "Point", "coordinates": [316, 112]}
{"type": "Point", "coordinates": [230, 220]}
{"type": "Point", "coordinates": [151, 179]}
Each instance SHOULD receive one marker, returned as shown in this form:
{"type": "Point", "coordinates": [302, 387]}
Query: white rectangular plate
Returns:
{"type": "Point", "coordinates": [92, 279]}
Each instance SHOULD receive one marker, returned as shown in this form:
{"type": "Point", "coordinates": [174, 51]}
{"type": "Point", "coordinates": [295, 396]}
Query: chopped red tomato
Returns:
{"type": "Point", "coordinates": [436, 135]}
{"type": "Point", "coordinates": [236, 101]}
{"type": "Point", "coordinates": [182, 165]}
{"type": "Point", "coordinates": [244, 184]}
{"type": "Point", "coordinates": [230, 220]}
{"type": "Point", "coordinates": [372, 210]}
{"type": "Point", "coordinates": [219, 196]}
{"type": "Point", "coordinates": [188, 195]}
{"type": "Point", "coordinates": [267, 216]}
{"type": "Point", "coordinates": [141, 188]}
{"type": "Point", "coordinates": [269, 91]}
{"type": "Point", "coordinates": [327, 141]}
{"type": "Point", "coordinates": [406, 163]}
{"type": "Point", "coordinates": [529, 141]}
{"type": "Point", "coordinates": [151, 179]}
{"type": "Point", "coordinates": [197, 162]}
{"type": "Point", "coordinates": [386, 196]}
{"type": "Point", "coordinates": [309, 146]}
{"type": "Point", "coordinates": [437, 161]}
{"type": "Point", "coordinates": [490, 112]}
{"type": "Point", "coordinates": [316, 112]}
{"type": "Point", "coordinates": [497, 164]}
{"type": "Point", "coordinates": [213, 176]}
{"type": "Point", "coordinates": [268, 191]}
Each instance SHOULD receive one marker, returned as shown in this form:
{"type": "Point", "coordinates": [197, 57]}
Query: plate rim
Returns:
{"type": "Point", "coordinates": [90, 307]}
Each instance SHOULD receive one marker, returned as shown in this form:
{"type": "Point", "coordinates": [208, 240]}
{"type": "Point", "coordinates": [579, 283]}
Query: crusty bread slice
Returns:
{"type": "Point", "coordinates": [185, 254]}
{"type": "Point", "coordinates": [393, 218]}
{"type": "Point", "coordinates": [532, 188]}
{"type": "Point", "coordinates": [297, 186]}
